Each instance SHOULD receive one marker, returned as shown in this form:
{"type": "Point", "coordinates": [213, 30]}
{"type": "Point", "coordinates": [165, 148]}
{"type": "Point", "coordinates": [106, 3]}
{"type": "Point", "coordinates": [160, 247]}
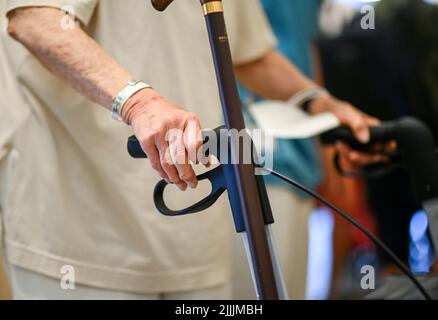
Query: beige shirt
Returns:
{"type": "Point", "coordinates": [71, 195]}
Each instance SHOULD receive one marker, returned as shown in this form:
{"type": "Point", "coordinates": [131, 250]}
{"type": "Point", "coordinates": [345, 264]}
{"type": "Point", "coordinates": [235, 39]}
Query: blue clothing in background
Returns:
{"type": "Point", "coordinates": [294, 23]}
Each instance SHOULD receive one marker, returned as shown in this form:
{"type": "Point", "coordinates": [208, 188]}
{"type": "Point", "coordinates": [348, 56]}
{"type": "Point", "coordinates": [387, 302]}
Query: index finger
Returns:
{"type": "Point", "coordinates": [193, 138]}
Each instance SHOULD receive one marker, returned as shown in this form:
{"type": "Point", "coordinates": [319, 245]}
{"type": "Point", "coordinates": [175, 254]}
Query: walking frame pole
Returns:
{"type": "Point", "coordinates": [249, 204]}
{"type": "Point", "coordinates": [242, 184]}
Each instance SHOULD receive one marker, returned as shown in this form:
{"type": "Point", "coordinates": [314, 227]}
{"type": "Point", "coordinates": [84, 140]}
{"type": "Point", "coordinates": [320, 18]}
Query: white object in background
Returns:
{"type": "Point", "coordinates": [335, 14]}
{"type": "Point", "coordinates": [286, 121]}
{"type": "Point", "coordinates": [320, 257]}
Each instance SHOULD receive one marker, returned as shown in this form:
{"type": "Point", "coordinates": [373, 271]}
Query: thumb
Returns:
{"type": "Point", "coordinates": [356, 121]}
{"type": "Point", "coordinates": [362, 132]}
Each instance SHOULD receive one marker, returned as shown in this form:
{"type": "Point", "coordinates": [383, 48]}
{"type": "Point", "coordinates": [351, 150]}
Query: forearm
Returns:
{"type": "Point", "coordinates": [318, 73]}
{"type": "Point", "coordinates": [76, 58]}
{"type": "Point", "coordinates": [273, 77]}
{"type": "Point", "coordinates": [69, 54]}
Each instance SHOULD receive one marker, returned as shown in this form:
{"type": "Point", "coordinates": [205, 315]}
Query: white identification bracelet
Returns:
{"type": "Point", "coordinates": [119, 101]}
{"type": "Point", "coordinates": [300, 98]}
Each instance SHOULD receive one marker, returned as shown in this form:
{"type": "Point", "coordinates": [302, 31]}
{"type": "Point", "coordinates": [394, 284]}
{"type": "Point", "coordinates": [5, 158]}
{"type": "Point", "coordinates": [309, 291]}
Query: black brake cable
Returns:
{"type": "Point", "coordinates": [372, 172]}
{"type": "Point", "coordinates": [350, 219]}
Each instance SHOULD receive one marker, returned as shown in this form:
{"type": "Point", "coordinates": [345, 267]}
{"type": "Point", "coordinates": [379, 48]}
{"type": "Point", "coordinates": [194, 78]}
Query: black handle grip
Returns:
{"type": "Point", "coordinates": [415, 144]}
{"type": "Point", "coordinates": [215, 176]}
{"type": "Point", "coordinates": [135, 150]}
{"type": "Point", "coordinates": [380, 134]}
{"type": "Point", "coordinates": [161, 5]}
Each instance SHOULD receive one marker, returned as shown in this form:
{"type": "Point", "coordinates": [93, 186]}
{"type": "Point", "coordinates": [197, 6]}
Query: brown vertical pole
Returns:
{"type": "Point", "coordinates": [249, 200]}
{"type": "Point", "coordinates": [242, 185]}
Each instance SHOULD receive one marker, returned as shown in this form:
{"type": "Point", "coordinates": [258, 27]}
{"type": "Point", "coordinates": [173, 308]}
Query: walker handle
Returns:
{"type": "Point", "coordinates": [379, 134]}
{"type": "Point", "coordinates": [161, 5]}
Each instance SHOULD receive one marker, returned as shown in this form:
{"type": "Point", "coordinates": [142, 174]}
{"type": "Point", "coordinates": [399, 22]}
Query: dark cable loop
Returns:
{"type": "Point", "coordinates": [382, 170]}
{"type": "Point", "coordinates": [376, 240]}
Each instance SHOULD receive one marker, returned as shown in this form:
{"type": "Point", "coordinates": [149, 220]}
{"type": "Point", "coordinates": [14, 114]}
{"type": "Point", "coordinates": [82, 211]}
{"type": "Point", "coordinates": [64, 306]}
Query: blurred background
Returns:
{"type": "Point", "coordinates": [387, 70]}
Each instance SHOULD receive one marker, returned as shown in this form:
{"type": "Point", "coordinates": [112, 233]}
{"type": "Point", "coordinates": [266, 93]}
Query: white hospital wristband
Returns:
{"type": "Point", "coordinates": [127, 92]}
{"type": "Point", "coordinates": [304, 96]}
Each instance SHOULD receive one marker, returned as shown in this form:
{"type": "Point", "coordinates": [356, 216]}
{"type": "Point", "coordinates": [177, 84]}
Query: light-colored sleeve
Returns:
{"type": "Point", "coordinates": [249, 32]}
{"type": "Point", "coordinates": [81, 9]}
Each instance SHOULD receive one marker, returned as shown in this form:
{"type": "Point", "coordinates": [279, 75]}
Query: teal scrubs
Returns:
{"type": "Point", "coordinates": [294, 23]}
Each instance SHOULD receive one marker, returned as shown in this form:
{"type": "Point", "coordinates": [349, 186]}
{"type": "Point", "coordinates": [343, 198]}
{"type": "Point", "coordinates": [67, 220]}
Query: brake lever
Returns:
{"type": "Point", "coordinates": [218, 186]}
{"type": "Point", "coordinates": [215, 176]}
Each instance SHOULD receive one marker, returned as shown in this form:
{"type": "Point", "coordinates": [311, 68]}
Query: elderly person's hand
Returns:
{"type": "Point", "coordinates": [152, 117]}
{"type": "Point", "coordinates": [74, 57]}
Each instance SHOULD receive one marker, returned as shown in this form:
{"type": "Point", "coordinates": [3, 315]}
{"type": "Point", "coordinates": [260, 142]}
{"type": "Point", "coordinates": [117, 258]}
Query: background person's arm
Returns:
{"type": "Point", "coordinates": [274, 77]}
{"type": "Point", "coordinates": [76, 58]}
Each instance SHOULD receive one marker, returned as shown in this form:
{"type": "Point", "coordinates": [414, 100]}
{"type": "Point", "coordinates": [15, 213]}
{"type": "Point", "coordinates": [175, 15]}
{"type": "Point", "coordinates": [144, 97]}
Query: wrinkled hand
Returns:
{"type": "Point", "coordinates": [152, 118]}
{"type": "Point", "coordinates": [359, 123]}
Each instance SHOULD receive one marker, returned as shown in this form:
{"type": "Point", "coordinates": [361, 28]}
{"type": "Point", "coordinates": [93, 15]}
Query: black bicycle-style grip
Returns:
{"type": "Point", "coordinates": [135, 150]}
{"type": "Point", "coordinates": [161, 5]}
{"type": "Point", "coordinates": [378, 134]}
{"type": "Point", "coordinates": [415, 145]}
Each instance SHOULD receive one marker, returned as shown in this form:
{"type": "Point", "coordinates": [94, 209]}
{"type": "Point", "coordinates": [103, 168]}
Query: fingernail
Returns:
{"type": "Point", "coordinates": [193, 185]}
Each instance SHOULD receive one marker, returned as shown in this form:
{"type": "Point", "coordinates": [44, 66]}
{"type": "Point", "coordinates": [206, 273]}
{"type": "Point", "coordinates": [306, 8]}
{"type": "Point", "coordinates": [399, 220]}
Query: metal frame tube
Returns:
{"type": "Point", "coordinates": [247, 202]}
